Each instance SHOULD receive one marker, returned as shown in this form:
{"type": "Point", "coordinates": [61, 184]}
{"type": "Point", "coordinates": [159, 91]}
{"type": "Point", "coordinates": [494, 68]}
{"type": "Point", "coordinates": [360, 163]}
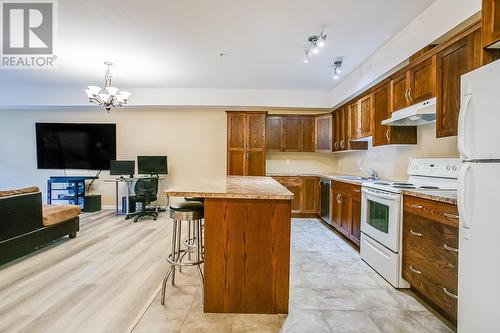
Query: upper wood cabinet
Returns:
{"type": "Point", "coordinates": [452, 62]}
{"type": "Point", "coordinates": [387, 135]}
{"type": "Point", "coordinates": [491, 23]}
{"type": "Point", "coordinates": [361, 118]}
{"type": "Point", "coordinates": [274, 133]}
{"type": "Point", "coordinates": [246, 143]}
{"type": "Point", "coordinates": [323, 137]}
{"type": "Point", "coordinates": [422, 81]}
{"type": "Point", "coordinates": [308, 133]}
{"type": "Point", "coordinates": [399, 86]}
{"type": "Point", "coordinates": [292, 133]}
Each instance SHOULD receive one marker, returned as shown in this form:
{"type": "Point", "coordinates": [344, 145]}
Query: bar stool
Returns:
{"type": "Point", "coordinates": [192, 213]}
{"type": "Point", "coordinates": [189, 242]}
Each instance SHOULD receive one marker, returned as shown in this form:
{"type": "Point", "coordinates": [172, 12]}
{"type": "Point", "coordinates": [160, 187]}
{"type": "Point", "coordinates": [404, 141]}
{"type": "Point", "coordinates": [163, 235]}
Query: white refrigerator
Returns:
{"type": "Point", "coordinates": [479, 201]}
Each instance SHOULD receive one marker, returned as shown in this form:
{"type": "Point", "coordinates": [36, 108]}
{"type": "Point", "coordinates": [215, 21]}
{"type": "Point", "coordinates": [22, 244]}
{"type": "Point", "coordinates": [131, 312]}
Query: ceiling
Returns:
{"type": "Point", "coordinates": [176, 44]}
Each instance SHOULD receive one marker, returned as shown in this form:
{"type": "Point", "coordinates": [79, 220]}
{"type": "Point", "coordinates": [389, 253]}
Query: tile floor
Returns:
{"type": "Point", "coordinates": [332, 290]}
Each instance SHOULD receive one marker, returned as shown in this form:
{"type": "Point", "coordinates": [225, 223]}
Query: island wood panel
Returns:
{"type": "Point", "coordinates": [247, 255]}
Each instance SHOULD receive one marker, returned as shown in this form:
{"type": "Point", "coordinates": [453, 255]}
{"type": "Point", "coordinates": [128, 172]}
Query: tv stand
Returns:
{"type": "Point", "coordinates": [70, 189]}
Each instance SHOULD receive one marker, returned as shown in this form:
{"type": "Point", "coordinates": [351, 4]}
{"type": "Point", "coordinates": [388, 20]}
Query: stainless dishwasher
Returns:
{"type": "Point", "coordinates": [325, 199]}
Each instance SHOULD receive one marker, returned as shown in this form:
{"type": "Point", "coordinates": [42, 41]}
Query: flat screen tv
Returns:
{"type": "Point", "coordinates": [75, 146]}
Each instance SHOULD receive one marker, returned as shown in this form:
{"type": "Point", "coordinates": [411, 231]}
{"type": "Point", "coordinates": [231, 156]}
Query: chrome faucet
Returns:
{"type": "Point", "coordinates": [373, 174]}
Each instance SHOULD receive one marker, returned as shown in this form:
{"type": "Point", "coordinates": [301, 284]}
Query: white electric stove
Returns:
{"type": "Point", "coordinates": [382, 210]}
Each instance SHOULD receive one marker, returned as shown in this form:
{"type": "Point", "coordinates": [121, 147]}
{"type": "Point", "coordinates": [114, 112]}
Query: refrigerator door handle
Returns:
{"type": "Point", "coordinates": [461, 193]}
{"type": "Point", "coordinates": [461, 126]}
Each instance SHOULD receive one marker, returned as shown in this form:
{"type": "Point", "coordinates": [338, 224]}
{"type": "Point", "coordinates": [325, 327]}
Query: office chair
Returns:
{"type": "Point", "coordinates": [145, 192]}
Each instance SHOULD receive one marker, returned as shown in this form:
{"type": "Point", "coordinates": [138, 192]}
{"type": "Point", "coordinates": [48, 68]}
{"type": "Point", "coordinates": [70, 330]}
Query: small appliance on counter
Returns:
{"type": "Point", "coordinates": [382, 213]}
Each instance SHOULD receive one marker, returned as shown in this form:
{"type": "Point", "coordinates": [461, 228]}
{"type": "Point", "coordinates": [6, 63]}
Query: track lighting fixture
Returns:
{"type": "Point", "coordinates": [315, 43]}
{"type": "Point", "coordinates": [337, 68]}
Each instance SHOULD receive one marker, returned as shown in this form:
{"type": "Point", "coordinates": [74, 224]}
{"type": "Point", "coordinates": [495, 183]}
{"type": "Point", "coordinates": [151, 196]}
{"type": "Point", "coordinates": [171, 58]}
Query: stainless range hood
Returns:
{"type": "Point", "coordinates": [418, 114]}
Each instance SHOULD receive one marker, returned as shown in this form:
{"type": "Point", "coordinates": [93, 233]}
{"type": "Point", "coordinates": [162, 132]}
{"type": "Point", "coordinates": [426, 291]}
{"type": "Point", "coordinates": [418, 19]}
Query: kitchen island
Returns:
{"type": "Point", "coordinates": [247, 243]}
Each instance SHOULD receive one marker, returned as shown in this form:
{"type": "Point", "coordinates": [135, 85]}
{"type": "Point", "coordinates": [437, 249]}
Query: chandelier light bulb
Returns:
{"type": "Point", "coordinates": [336, 77]}
{"type": "Point", "coordinates": [321, 43]}
{"type": "Point", "coordinates": [315, 49]}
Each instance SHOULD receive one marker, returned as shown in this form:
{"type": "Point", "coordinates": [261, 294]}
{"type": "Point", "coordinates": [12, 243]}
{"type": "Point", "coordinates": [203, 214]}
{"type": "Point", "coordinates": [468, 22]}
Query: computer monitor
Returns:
{"type": "Point", "coordinates": [152, 165]}
{"type": "Point", "coordinates": [122, 168]}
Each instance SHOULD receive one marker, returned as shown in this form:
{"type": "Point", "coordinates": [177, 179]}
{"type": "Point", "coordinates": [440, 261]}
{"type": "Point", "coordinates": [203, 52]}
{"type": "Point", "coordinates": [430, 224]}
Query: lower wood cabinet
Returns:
{"type": "Point", "coordinates": [345, 209]}
{"type": "Point", "coordinates": [306, 193]}
{"type": "Point", "coordinates": [430, 252]}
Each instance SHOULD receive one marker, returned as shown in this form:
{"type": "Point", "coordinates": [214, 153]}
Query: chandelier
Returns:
{"type": "Point", "coordinates": [108, 97]}
{"type": "Point", "coordinates": [315, 42]}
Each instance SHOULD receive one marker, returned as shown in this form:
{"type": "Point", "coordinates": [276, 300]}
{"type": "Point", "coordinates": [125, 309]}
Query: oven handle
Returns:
{"type": "Point", "coordinates": [381, 195]}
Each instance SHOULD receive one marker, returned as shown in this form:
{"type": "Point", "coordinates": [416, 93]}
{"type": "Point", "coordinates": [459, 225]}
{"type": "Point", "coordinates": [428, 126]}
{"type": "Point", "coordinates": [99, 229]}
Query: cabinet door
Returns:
{"type": "Point", "coordinates": [310, 198]}
{"type": "Point", "coordinates": [491, 23]}
{"type": "Point", "coordinates": [423, 81]}
{"type": "Point", "coordinates": [335, 207]}
{"type": "Point", "coordinates": [335, 130]}
{"type": "Point", "coordinates": [343, 113]}
{"type": "Point", "coordinates": [356, 214]}
{"type": "Point", "coordinates": [354, 114]}
{"type": "Point", "coordinates": [365, 116]}
{"type": "Point", "coordinates": [256, 129]}
{"type": "Point", "coordinates": [292, 133]}
{"type": "Point", "coordinates": [274, 133]}
{"type": "Point", "coordinates": [236, 130]}
{"type": "Point", "coordinates": [236, 161]}
{"type": "Point", "coordinates": [452, 63]}
{"type": "Point", "coordinates": [255, 163]}
{"type": "Point", "coordinates": [308, 134]}
{"type": "Point", "coordinates": [381, 133]}
{"type": "Point", "coordinates": [323, 141]}
{"type": "Point", "coordinates": [399, 87]}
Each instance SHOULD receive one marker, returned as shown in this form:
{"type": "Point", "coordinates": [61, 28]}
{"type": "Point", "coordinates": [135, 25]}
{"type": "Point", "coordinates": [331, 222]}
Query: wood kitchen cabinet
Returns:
{"type": "Point", "coordinates": [362, 118]}
{"type": "Point", "coordinates": [422, 81]}
{"type": "Point", "coordinates": [452, 62]}
{"type": "Point", "coordinates": [323, 134]}
{"type": "Point", "coordinates": [398, 91]}
{"type": "Point", "coordinates": [491, 23]}
{"type": "Point", "coordinates": [345, 209]}
{"type": "Point", "coordinates": [246, 143]}
{"type": "Point", "coordinates": [387, 135]}
{"type": "Point", "coordinates": [306, 193]}
{"type": "Point", "coordinates": [430, 252]}
{"type": "Point", "coordinates": [291, 133]}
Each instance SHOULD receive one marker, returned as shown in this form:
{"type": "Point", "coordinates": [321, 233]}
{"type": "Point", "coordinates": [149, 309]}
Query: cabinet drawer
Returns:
{"type": "Point", "coordinates": [436, 293]}
{"type": "Point", "coordinates": [440, 212]}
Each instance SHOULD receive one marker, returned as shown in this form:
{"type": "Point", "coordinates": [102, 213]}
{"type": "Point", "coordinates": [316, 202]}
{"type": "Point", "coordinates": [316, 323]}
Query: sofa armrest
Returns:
{"type": "Point", "coordinates": [20, 214]}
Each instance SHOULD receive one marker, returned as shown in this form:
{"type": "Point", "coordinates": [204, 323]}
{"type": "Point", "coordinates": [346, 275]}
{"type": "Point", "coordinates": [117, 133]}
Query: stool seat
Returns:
{"type": "Point", "coordinates": [187, 206]}
{"type": "Point", "coordinates": [189, 199]}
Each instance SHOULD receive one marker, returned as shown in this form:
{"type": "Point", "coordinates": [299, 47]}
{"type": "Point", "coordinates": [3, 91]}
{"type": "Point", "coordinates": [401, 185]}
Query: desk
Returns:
{"type": "Point", "coordinates": [128, 182]}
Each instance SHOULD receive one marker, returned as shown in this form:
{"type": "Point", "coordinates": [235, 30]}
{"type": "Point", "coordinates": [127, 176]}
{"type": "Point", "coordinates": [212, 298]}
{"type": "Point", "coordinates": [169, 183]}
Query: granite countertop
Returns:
{"type": "Point", "coordinates": [338, 177]}
{"type": "Point", "coordinates": [233, 187]}
{"type": "Point", "coordinates": [445, 196]}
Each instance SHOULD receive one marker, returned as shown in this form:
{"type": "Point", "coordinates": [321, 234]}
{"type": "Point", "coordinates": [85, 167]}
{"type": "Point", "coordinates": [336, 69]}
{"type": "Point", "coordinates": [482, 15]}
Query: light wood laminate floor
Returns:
{"type": "Point", "coordinates": [101, 281]}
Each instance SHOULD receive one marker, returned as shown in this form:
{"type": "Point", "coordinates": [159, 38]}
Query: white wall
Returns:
{"type": "Point", "coordinates": [193, 139]}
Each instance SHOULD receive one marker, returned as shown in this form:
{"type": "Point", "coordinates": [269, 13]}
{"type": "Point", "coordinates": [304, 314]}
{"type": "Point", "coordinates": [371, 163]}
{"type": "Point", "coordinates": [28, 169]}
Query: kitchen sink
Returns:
{"type": "Point", "coordinates": [353, 178]}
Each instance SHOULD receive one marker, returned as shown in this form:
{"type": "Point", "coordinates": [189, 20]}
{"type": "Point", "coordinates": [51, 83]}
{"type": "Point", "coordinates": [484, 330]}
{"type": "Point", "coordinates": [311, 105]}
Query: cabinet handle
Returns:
{"type": "Point", "coordinates": [387, 134]}
{"type": "Point", "coordinates": [406, 95]}
{"type": "Point", "coordinates": [451, 216]}
{"type": "Point", "coordinates": [336, 145]}
{"type": "Point", "coordinates": [342, 144]}
{"type": "Point", "coordinates": [416, 206]}
{"type": "Point", "coordinates": [416, 271]}
{"type": "Point", "coordinates": [450, 294]}
{"type": "Point", "coordinates": [358, 131]}
{"type": "Point", "coordinates": [414, 233]}
{"type": "Point", "coordinates": [357, 191]}
{"type": "Point", "coordinates": [409, 94]}
{"type": "Point", "coordinates": [339, 198]}
{"type": "Point", "coordinates": [449, 248]}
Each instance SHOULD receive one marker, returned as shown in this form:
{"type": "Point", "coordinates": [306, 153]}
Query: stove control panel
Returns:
{"type": "Point", "coordinates": [436, 167]}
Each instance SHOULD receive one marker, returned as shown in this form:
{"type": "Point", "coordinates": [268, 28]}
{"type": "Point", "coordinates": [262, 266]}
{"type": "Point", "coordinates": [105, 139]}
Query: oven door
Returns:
{"type": "Point", "coordinates": [380, 213]}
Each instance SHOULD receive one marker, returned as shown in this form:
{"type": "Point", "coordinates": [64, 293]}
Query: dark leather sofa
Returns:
{"type": "Point", "coordinates": [22, 228]}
